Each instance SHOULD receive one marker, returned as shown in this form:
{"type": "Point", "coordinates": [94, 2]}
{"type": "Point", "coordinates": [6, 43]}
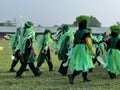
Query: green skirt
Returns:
{"type": "Point", "coordinates": [80, 58]}
{"type": "Point", "coordinates": [112, 61]}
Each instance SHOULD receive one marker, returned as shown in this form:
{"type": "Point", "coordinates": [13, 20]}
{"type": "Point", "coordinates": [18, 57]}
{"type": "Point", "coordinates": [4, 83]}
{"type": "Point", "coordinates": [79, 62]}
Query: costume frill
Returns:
{"type": "Point", "coordinates": [43, 43]}
{"type": "Point", "coordinates": [80, 58]}
{"type": "Point", "coordinates": [64, 44]}
{"type": "Point", "coordinates": [112, 58]}
{"type": "Point", "coordinates": [25, 35]}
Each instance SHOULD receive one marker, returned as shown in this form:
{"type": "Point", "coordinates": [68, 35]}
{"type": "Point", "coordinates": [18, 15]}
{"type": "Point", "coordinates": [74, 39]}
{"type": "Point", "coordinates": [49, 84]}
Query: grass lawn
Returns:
{"type": "Point", "coordinates": [51, 80]}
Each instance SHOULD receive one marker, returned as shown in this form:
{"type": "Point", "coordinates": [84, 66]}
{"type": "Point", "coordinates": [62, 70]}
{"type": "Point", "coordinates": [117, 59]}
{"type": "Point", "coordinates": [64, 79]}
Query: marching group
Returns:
{"type": "Point", "coordinates": [78, 50]}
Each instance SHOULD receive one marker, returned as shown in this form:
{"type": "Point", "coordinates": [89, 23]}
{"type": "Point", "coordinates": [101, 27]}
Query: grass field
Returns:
{"type": "Point", "coordinates": [51, 80]}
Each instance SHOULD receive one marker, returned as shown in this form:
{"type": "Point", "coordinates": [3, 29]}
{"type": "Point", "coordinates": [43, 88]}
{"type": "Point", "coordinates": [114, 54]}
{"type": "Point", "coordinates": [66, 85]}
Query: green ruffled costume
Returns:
{"type": "Point", "coordinates": [15, 40]}
{"type": "Point", "coordinates": [80, 58]}
{"type": "Point", "coordinates": [14, 44]}
{"type": "Point", "coordinates": [64, 44]}
{"type": "Point", "coordinates": [43, 43]}
{"type": "Point", "coordinates": [112, 57]}
{"type": "Point", "coordinates": [25, 35]}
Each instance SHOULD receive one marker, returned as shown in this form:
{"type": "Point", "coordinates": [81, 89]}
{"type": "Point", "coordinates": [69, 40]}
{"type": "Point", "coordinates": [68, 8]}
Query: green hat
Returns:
{"type": "Point", "coordinates": [65, 27]}
{"type": "Point", "coordinates": [47, 31]}
{"type": "Point", "coordinates": [81, 18]}
{"type": "Point", "coordinates": [28, 24]}
{"type": "Point", "coordinates": [115, 28]}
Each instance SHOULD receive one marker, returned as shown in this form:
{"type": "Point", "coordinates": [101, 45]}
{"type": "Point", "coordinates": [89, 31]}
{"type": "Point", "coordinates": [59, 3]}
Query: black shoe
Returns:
{"type": "Point", "coordinates": [38, 70]}
{"type": "Point", "coordinates": [70, 78]}
{"type": "Point", "coordinates": [114, 76]}
{"type": "Point", "coordinates": [110, 75]}
{"type": "Point", "coordinates": [18, 77]}
{"type": "Point", "coordinates": [12, 70]}
{"type": "Point", "coordinates": [38, 74]}
{"type": "Point", "coordinates": [86, 80]}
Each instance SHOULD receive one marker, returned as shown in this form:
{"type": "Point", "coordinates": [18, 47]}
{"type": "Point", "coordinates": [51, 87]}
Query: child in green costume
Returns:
{"type": "Point", "coordinates": [80, 59]}
{"type": "Point", "coordinates": [113, 52]}
{"type": "Point", "coordinates": [15, 50]}
{"type": "Point", "coordinates": [44, 42]}
{"type": "Point", "coordinates": [63, 45]}
{"type": "Point", "coordinates": [27, 51]}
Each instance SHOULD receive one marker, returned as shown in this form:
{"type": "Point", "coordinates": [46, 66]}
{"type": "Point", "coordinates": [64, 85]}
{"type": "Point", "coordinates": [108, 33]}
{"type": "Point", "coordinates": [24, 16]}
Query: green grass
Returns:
{"type": "Point", "coordinates": [51, 80]}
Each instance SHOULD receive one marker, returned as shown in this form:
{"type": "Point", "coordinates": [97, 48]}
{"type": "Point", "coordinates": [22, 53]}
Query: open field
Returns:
{"type": "Point", "coordinates": [51, 80]}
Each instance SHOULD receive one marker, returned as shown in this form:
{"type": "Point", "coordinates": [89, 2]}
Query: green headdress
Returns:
{"type": "Point", "coordinates": [81, 18]}
{"type": "Point", "coordinates": [16, 38]}
{"type": "Point", "coordinates": [65, 27]}
{"type": "Point", "coordinates": [28, 24]}
{"type": "Point", "coordinates": [115, 28]}
{"type": "Point", "coordinates": [47, 31]}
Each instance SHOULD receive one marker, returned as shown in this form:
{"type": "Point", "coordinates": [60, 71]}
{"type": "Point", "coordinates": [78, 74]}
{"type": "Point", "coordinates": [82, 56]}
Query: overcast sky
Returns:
{"type": "Point", "coordinates": [57, 12]}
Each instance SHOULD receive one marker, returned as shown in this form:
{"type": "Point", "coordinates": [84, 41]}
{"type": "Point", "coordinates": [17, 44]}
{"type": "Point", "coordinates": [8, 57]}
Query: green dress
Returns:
{"type": "Point", "coordinates": [112, 56]}
{"type": "Point", "coordinates": [80, 58]}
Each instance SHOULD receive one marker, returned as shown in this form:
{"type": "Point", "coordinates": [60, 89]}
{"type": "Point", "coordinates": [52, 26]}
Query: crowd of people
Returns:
{"type": "Point", "coordinates": [78, 50]}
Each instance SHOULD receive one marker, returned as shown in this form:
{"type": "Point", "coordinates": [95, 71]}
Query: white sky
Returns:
{"type": "Point", "coordinates": [57, 12]}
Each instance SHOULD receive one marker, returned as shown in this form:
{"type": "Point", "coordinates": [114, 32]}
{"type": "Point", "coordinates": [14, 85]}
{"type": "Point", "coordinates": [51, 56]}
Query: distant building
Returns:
{"type": "Point", "coordinates": [7, 23]}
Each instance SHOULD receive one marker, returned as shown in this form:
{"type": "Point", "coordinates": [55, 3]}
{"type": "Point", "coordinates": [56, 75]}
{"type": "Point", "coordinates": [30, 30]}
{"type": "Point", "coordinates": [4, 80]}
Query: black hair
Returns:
{"type": "Point", "coordinates": [113, 34]}
{"type": "Point", "coordinates": [82, 25]}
